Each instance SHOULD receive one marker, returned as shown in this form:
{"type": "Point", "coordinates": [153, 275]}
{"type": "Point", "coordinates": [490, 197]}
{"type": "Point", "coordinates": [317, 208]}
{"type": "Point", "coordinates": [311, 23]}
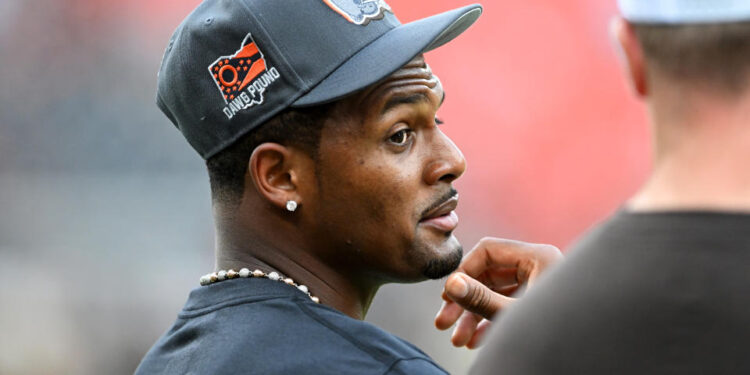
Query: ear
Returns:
{"type": "Point", "coordinates": [631, 54]}
{"type": "Point", "coordinates": [275, 173]}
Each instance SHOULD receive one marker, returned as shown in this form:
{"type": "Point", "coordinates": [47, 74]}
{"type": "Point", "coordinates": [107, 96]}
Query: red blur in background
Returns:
{"type": "Point", "coordinates": [535, 100]}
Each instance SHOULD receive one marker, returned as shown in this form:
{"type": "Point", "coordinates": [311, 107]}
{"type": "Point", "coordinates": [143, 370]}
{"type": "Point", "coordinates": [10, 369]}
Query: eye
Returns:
{"type": "Point", "coordinates": [400, 137]}
{"type": "Point", "coordinates": [439, 121]}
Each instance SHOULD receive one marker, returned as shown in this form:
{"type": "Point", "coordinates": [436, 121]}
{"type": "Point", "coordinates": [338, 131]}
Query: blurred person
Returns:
{"type": "Point", "coordinates": [662, 286]}
{"type": "Point", "coordinates": [329, 178]}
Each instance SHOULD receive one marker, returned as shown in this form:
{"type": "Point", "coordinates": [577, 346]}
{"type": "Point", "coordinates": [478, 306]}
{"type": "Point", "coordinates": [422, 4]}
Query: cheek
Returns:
{"type": "Point", "coordinates": [389, 205]}
{"type": "Point", "coordinates": [370, 199]}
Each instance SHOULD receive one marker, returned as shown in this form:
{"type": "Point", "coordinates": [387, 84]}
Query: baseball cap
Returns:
{"type": "Point", "coordinates": [231, 65]}
{"type": "Point", "coordinates": [685, 11]}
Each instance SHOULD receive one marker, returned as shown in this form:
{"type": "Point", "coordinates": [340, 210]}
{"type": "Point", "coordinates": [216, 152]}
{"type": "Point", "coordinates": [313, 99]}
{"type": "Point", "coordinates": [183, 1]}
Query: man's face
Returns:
{"type": "Point", "coordinates": [385, 199]}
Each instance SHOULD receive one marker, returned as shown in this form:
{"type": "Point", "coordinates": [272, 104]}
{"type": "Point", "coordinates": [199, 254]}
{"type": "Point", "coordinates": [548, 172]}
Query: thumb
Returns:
{"type": "Point", "coordinates": [475, 296]}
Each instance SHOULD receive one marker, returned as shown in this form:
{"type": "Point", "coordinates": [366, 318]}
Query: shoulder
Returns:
{"type": "Point", "coordinates": [629, 290]}
{"type": "Point", "coordinates": [395, 354]}
{"type": "Point", "coordinates": [280, 335]}
{"type": "Point", "coordinates": [568, 303]}
{"type": "Point", "coordinates": [411, 366]}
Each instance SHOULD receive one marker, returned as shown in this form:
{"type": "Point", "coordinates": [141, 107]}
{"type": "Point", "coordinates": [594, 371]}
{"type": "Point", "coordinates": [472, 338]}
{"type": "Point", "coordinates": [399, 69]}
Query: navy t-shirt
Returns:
{"type": "Point", "coordinates": [260, 326]}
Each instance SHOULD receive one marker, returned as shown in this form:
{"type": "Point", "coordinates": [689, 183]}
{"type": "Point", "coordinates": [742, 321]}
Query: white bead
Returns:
{"type": "Point", "coordinates": [205, 280]}
{"type": "Point", "coordinates": [315, 299]}
{"type": "Point", "coordinates": [213, 277]}
{"type": "Point", "coordinates": [258, 273]}
{"type": "Point", "coordinates": [231, 274]}
{"type": "Point", "coordinates": [291, 206]}
{"type": "Point", "coordinates": [244, 272]}
{"type": "Point", "coordinates": [302, 288]}
{"type": "Point", "coordinates": [274, 276]}
{"type": "Point", "coordinates": [289, 281]}
{"type": "Point", "coordinates": [222, 275]}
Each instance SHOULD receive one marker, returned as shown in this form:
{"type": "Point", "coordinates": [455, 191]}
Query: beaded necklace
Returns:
{"type": "Point", "coordinates": [245, 273]}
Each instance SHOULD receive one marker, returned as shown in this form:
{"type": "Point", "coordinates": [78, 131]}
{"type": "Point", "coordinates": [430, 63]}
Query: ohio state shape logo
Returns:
{"type": "Point", "coordinates": [242, 78]}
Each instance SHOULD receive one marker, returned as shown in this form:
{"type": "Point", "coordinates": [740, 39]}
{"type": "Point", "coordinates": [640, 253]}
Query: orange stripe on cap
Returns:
{"type": "Point", "coordinates": [255, 70]}
{"type": "Point", "coordinates": [247, 51]}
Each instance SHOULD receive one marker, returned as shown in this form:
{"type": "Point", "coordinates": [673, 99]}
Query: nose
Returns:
{"type": "Point", "coordinates": [446, 162]}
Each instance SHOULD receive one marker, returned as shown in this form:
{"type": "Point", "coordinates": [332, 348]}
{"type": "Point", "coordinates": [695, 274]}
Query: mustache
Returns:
{"type": "Point", "coordinates": [448, 195]}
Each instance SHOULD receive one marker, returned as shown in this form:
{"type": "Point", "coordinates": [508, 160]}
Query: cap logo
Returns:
{"type": "Point", "coordinates": [243, 77]}
{"type": "Point", "coordinates": [359, 12]}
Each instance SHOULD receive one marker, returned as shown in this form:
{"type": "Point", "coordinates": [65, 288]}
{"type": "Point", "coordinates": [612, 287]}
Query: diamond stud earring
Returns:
{"type": "Point", "coordinates": [291, 206]}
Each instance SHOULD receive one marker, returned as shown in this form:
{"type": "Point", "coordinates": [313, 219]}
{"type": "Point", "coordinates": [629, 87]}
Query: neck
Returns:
{"type": "Point", "coordinates": [701, 153]}
{"type": "Point", "coordinates": [252, 247]}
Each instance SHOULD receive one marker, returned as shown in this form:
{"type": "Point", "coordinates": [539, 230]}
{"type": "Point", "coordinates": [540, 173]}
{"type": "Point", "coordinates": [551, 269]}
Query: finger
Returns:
{"type": "Point", "coordinates": [507, 290]}
{"type": "Point", "coordinates": [474, 296]}
{"type": "Point", "coordinates": [481, 331]}
{"type": "Point", "coordinates": [444, 296]}
{"type": "Point", "coordinates": [465, 329]}
{"type": "Point", "coordinates": [498, 277]}
{"type": "Point", "coordinates": [496, 252]}
{"type": "Point", "coordinates": [448, 315]}
{"type": "Point", "coordinates": [548, 257]}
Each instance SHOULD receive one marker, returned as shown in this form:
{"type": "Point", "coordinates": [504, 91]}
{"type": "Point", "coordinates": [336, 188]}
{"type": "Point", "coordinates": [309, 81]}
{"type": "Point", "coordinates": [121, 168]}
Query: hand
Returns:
{"type": "Point", "coordinates": [483, 282]}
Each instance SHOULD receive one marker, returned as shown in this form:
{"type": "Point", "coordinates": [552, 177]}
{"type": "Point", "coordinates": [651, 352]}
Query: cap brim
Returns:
{"type": "Point", "coordinates": [390, 52]}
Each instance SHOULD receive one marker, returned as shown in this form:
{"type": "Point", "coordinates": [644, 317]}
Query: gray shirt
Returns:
{"type": "Point", "coordinates": [644, 293]}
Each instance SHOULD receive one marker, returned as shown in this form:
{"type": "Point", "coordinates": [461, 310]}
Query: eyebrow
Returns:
{"type": "Point", "coordinates": [407, 99]}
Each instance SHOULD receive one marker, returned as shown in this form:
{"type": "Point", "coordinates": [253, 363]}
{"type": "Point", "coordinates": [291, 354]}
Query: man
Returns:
{"type": "Point", "coordinates": [662, 287]}
{"type": "Point", "coordinates": [329, 177]}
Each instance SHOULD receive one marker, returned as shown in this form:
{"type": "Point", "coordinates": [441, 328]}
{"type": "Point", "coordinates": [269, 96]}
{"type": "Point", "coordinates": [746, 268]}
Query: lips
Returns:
{"type": "Point", "coordinates": [442, 217]}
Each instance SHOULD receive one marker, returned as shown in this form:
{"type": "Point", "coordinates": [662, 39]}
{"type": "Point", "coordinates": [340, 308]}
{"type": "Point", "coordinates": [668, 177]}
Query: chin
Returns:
{"type": "Point", "coordinates": [444, 261]}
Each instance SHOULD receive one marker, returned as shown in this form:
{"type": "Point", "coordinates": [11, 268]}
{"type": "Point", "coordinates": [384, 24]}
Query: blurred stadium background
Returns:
{"type": "Point", "coordinates": [106, 225]}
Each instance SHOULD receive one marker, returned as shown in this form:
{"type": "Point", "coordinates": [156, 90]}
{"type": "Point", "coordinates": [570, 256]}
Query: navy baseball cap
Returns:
{"type": "Point", "coordinates": [685, 11]}
{"type": "Point", "coordinates": [231, 65]}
